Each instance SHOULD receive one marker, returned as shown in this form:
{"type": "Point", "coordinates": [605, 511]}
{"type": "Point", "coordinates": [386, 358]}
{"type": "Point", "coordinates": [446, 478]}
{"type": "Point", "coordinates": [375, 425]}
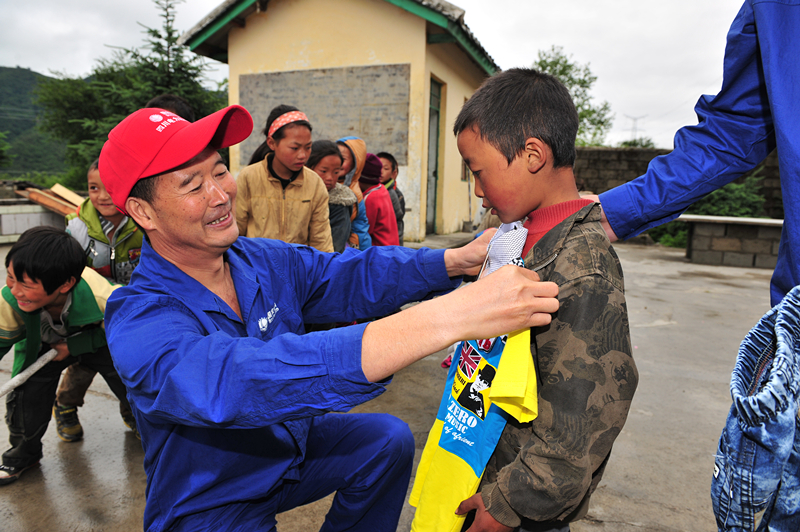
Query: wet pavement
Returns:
{"type": "Point", "coordinates": [686, 324]}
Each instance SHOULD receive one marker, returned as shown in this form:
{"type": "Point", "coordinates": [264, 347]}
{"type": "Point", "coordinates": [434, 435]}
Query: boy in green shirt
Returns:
{"type": "Point", "coordinates": [50, 301]}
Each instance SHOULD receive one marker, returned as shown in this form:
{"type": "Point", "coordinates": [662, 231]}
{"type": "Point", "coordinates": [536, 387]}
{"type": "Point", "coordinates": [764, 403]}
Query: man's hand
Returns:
{"type": "Point", "coordinates": [510, 299]}
{"type": "Point", "coordinates": [468, 260]}
{"type": "Point", "coordinates": [484, 522]}
{"type": "Point", "coordinates": [62, 349]}
{"type": "Point", "coordinates": [612, 236]}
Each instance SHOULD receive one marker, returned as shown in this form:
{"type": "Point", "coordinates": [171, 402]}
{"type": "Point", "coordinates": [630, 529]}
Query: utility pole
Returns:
{"type": "Point", "coordinates": [634, 130]}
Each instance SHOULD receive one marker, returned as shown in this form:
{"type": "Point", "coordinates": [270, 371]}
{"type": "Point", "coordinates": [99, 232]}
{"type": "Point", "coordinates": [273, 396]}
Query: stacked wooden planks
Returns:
{"type": "Point", "coordinates": [58, 199]}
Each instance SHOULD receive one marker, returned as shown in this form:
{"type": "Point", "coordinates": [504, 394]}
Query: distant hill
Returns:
{"type": "Point", "coordinates": [33, 151]}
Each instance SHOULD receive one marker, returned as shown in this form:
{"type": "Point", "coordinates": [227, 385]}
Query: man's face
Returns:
{"type": "Point", "coordinates": [508, 190]}
{"type": "Point", "coordinates": [347, 159]}
{"type": "Point", "coordinates": [387, 174]}
{"type": "Point", "coordinates": [192, 209]}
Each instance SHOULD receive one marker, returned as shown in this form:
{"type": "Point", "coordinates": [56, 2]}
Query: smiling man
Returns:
{"type": "Point", "coordinates": [229, 394]}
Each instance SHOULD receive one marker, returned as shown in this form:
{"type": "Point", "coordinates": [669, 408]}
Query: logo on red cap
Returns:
{"type": "Point", "coordinates": [144, 145]}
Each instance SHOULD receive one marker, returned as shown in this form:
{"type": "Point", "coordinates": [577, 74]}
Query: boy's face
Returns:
{"type": "Point", "coordinates": [509, 190]}
{"type": "Point", "coordinates": [328, 169]}
{"type": "Point", "coordinates": [387, 174]}
{"type": "Point", "coordinates": [99, 197]}
{"type": "Point", "coordinates": [30, 294]}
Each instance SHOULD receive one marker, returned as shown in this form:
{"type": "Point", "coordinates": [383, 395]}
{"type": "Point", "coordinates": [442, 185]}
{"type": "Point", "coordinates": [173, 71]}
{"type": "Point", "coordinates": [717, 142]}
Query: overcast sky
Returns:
{"type": "Point", "coordinates": [652, 59]}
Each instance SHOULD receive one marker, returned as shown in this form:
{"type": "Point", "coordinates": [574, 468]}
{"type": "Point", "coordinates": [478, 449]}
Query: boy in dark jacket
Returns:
{"type": "Point", "coordinates": [50, 301]}
{"type": "Point", "coordinates": [517, 135]}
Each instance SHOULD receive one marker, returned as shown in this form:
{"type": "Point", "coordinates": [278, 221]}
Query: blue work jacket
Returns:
{"type": "Point", "coordinates": [223, 404]}
{"type": "Point", "coordinates": [757, 109]}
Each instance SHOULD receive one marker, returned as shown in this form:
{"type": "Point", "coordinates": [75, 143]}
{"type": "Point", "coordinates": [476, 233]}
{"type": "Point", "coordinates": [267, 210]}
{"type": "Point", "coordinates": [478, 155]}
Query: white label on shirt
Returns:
{"type": "Point", "coordinates": [263, 323]}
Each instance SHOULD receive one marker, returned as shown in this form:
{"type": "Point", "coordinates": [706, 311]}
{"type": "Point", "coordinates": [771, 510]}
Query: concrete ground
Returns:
{"type": "Point", "coordinates": [686, 323]}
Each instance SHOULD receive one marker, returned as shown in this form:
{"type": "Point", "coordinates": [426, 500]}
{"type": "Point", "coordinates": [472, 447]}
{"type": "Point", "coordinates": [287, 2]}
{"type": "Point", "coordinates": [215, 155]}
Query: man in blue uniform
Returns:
{"type": "Point", "coordinates": [229, 394]}
{"type": "Point", "coordinates": [756, 110]}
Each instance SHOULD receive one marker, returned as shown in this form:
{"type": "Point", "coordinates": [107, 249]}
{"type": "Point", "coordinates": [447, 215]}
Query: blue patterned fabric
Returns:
{"type": "Point", "coordinates": [756, 484]}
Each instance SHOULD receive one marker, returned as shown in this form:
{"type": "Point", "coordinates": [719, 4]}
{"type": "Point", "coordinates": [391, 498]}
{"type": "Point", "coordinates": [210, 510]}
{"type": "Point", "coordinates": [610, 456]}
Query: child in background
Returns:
{"type": "Point", "coordinates": [111, 240]}
{"type": "Point", "coordinates": [174, 104]}
{"type": "Point", "coordinates": [380, 213]}
{"type": "Point", "coordinates": [112, 244]}
{"type": "Point", "coordinates": [326, 161]}
{"type": "Point", "coordinates": [389, 180]}
{"type": "Point", "coordinates": [278, 197]}
{"type": "Point", "coordinates": [517, 135]}
{"type": "Point", "coordinates": [354, 154]}
{"type": "Point", "coordinates": [51, 300]}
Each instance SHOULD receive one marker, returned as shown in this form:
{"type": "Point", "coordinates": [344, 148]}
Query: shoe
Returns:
{"type": "Point", "coordinates": [9, 474]}
{"type": "Point", "coordinates": [130, 422]}
{"type": "Point", "coordinates": [67, 424]}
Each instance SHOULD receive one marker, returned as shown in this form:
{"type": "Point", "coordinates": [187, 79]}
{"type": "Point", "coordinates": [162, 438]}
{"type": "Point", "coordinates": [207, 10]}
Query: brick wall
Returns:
{"type": "Point", "coordinates": [734, 244]}
{"type": "Point", "coordinates": [601, 169]}
{"type": "Point", "coordinates": [369, 102]}
{"type": "Point", "coordinates": [17, 216]}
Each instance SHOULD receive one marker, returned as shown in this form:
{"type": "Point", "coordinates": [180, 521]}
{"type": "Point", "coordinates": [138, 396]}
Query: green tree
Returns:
{"type": "Point", "coordinates": [734, 199]}
{"type": "Point", "coordinates": [595, 120]}
{"type": "Point", "coordinates": [643, 142]}
{"type": "Point", "coordinates": [5, 159]}
{"type": "Point", "coordinates": [83, 111]}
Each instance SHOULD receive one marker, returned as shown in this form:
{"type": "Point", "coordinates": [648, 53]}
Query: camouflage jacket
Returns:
{"type": "Point", "coordinates": [547, 469]}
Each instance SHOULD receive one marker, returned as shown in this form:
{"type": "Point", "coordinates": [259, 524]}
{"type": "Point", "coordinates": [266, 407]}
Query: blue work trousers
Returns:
{"type": "Point", "coordinates": [756, 484]}
{"type": "Point", "coordinates": [365, 458]}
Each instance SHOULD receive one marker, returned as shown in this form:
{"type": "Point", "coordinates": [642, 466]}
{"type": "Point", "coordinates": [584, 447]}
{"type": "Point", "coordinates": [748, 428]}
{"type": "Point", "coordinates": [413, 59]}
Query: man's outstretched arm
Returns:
{"type": "Point", "coordinates": [510, 299]}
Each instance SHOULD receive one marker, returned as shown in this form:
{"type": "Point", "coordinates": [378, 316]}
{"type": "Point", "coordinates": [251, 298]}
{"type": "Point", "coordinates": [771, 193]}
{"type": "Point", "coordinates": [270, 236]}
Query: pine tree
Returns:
{"type": "Point", "coordinates": [83, 111]}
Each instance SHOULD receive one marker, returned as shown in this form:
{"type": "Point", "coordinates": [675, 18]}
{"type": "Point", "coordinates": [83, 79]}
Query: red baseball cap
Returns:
{"type": "Point", "coordinates": [153, 141]}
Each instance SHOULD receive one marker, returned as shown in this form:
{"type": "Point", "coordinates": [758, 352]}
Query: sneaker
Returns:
{"type": "Point", "coordinates": [9, 474]}
{"type": "Point", "coordinates": [130, 422]}
{"type": "Point", "coordinates": [67, 425]}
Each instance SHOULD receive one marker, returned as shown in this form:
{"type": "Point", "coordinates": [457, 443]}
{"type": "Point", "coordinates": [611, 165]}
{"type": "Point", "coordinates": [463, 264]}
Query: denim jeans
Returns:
{"type": "Point", "coordinates": [756, 484]}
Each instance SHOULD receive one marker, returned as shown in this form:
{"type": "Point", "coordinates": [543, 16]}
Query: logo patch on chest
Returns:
{"type": "Point", "coordinates": [263, 323]}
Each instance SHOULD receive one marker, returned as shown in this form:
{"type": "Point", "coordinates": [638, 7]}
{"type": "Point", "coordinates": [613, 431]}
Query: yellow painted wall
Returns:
{"type": "Point", "coordinates": [313, 34]}
{"type": "Point", "coordinates": [449, 65]}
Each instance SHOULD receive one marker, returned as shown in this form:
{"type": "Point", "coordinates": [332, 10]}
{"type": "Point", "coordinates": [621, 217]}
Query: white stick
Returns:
{"type": "Point", "coordinates": [30, 370]}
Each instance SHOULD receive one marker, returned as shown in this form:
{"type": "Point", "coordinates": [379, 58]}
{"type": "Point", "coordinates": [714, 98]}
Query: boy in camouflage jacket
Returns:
{"type": "Point", "coordinates": [517, 135]}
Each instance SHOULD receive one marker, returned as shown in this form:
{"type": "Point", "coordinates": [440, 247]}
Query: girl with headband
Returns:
{"type": "Point", "coordinates": [278, 197]}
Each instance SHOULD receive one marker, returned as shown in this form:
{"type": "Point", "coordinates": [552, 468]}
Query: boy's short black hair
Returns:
{"type": "Point", "coordinates": [174, 103]}
{"type": "Point", "coordinates": [48, 255]}
{"type": "Point", "coordinates": [389, 157]}
{"type": "Point", "coordinates": [522, 103]}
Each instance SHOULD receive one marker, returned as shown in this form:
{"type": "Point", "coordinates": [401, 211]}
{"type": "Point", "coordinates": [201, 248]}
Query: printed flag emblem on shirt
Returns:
{"type": "Point", "coordinates": [470, 358]}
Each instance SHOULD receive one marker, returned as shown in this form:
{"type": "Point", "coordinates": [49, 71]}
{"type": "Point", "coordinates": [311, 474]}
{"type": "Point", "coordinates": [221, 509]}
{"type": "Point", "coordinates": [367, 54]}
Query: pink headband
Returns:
{"type": "Point", "coordinates": [286, 118]}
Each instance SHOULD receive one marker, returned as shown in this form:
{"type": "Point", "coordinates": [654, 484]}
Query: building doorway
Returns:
{"type": "Point", "coordinates": [433, 156]}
